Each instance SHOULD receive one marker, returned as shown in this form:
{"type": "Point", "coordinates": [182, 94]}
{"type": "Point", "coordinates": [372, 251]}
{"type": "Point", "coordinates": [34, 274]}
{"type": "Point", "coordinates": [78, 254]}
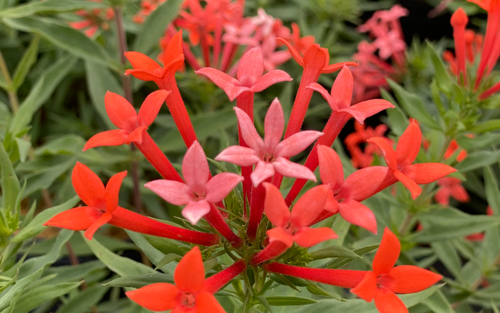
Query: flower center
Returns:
{"type": "Point", "coordinates": [198, 196]}
{"type": "Point", "coordinates": [289, 228]}
{"type": "Point", "coordinates": [188, 300]}
{"type": "Point", "coordinates": [268, 157]}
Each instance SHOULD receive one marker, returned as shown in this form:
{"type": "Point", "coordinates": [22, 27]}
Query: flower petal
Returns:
{"type": "Point", "coordinates": [195, 168]}
{"type": "Point", "coordinates": [251, 66]}
{"type": "Point", "coordinates": [331, 102]}
{"type": "Point", "coordinates": [113, 190]}
{"type": "Point", "coordinates": [189, 276]}
{"type": "Point", "coordinates": [143, 75]}
{"type": "Point", "coordinates": [367, 288]}
{"type": "Point", "coordinates": [387, 302]}
{"type": "Point", "coordinates": [87, 185]}
{"type": "Point", "coordinates": [337, 66]}
{"type": "Point", "coordinates": [316, 57]}
{"type": "Point", "coordinates": [412, 186]}
{"type": "Point", "coordinates": [297, 143]}
{"type": "Point", "coordinates": [103, 219]}
{"type": "Point", "coordinates": [409, 144]}
{"type": "Point", "coordinates": [365, 109]}
{"type": "Point", "coordinates": [269, 79]}
{"type": "Point", "coordinates": [171, 191]}
{"type": "Point", "coordinates": [331, 204]}
{"type": "Point", "coordinates": [295, 54]}
{"type": "Point", "coordinates": [330, 167]}
{"type": "Point", "coordinates": [387, 254]}
{"type": "Point", "coordinates": [230, 85]}
{"type": "Point", "coordinates": [120, 111]}
{"type": "Point", "coordinates": [279, 234]}
{"type": "Point", "coordinates": [156, 297]}
{"type": "Point", "coordinates": [206, 302]}
{"type": "Point", "coordinates": [115, 137]}
{"type": "Point", "coordinates": [309, 206]}
{"type": "Point", "coordinates": [358, 214]}
{"type": "Point", "coordinates": [308, 237]}
{"type": "Point", "coordinates": [363, 183]}
{"type": "Point", "coordinates": [262, 171]}
{"type": "Point", "coordinates": [143, 62]}
{"type": "Point", "coordinates": [238, 155]}
{"type": "Point", "coordinates": [248, 131]}
{"type": "Point", "coordinates": [342, 88]}
{"type": "Point", "coordinates": [274, 124]}
{"type": "Point", "coordinates": [290, 169]}
{"type": "Point", "coordinates": [173, 59]}
{"type": "Point", "coordinates": [151, 106]}
{"type": "Point", "coordinates": [275, 207]}
{"type": "Point", "coordinates": [426, 173]}
{"type": "Point", "coordinates": [221, 185]}
{"type": "Point", "coordinates": [195, 210]}
{"type": "Point", "coordinates": [75, 219]}
{"type": "Point", "coordinates": [387, 150]}
{"type": "Point", "coordinates": [411, 279]}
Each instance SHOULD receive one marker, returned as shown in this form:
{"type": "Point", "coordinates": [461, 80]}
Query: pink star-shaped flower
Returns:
{"type": "Point", "coordinates": [199, 192]}
{"type": "Point", "coordinates": [390, 44]}
{"type": "Point", "coordinates": [269, 154]}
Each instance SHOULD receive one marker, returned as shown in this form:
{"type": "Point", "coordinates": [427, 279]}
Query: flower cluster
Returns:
{"type": "Point", "coordinates": [263, 162]}
{"type": "Point", "coordinates": [93, 20]}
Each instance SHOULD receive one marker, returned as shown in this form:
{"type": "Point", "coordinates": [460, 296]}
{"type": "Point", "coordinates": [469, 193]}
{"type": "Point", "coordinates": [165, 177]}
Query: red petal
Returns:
{"type": "Point", "coordinates": [365, 109]}
{"type": "Point", "coordinates": [174, 53]}
{"type": "Point", "coordinates": [316, 57]}
{"type": "Point", "coordinates": [87, 185]}
{"type": "Point", "coordinates": [363, 183]}
{"type": "Point", "coordinates": [426, 173]}
{"type": "Point", "coordinates": [387, 254]}
{"type": "Point", "coordinates": [136, 135]}
{"type": "Point", "coordinates": [387, 150]}
{"type": "Point", "coordinates": [331, 102]}
{"type": "Point", "coordinates": [195, 168]}
{"type": "Point", "coordinates": [342, 88]}
{"type": "Point", "coordinates": [113, 190]}
{"type": "Point", "coordinates": [337, 66]}
{"type": "Point", "coordinates": [75, 219]}
{"type": "Point", "coordinates": [230, 85]}
{"type": "Point", "coordinates": [358, 214]}
{"type": "Point", "coordinates": [156, 297]}
{"type": "Point", "coordinates": [308, 237]}
{"type": "Point", "coordinates": [151, 106]}
{"type": "Point", "coordinates": [103, 219]}
{"type": "Point", "coordinates": [269, 79]}
{"type": "Point", "coordinates": [189, 275]}
{"type": "Point", "coordinates": [367, 288]}
{"type": "Point", "coordinates": [251, 66]}
{"type": "Point", "coordinates": [115, 137]}
{"type": "Point", "coordinates": [387, 302]}
{"type": "Point", "coordinates": [330, 167]}
{"type": "Point", "coordinates": [143, 75]}
{"type": "Point", "coordinates": [295, 54]}
{"type": "Point", "coordinates": [120, 111]}
{"type": "Point", "coordinates": [412, 186]}
{"type": "Point", "coordinates": [309, 206]}
{"type": "Point", "coordinates": [458, 192]}
{"type": "Point", "coordinates": [143, 62]}
{"type": "Point", "coordinates": [206, 302]}
{"type": "Point", "coordinates": [331, 204]}
{"type": "Point", "coordinates": [409, 144]}
{"type": "Point", "coordinates": [221, 185]}
{"type": "Point", "coordinates": [275, 207]}
{"type": "Point", "coordinates": [279, 234]}
{"type": "Point", "coordinates": [411, 279]}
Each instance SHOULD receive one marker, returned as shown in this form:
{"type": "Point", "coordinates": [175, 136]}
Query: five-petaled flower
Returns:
{"type": "Point", "coordinates": [200, 191]}
{"type": "Point", "coordinates": [386, 280]}
{"type": "Point", "coordinates": [269, 154]}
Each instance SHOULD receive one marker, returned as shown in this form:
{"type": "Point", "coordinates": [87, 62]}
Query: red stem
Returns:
{"type": "Point", "coordinates": [215, 219]}
{"type": "Point", "coordinates": [489, 40]}
{"type": "Point", "coordinates": [495, 54]}
{"type": "Point", "coordinates": [228, 54]}
{"type": "Point", "coordinates": [218, 281]}
{"type": "Point", "coordinates": [340, 278]}
{"type": "Point", "coordinates": [156, 157]}
{"type": "Point", "coordinates": [206, 51]}
{"type": "Point", "coordinates": [127, 219]}
{"type": "Point", "coordinates": [273, 249]}
{"type": "Point", "coordinates": [217, 42]}
{"type": "Point", "coordinates": [256, 210]}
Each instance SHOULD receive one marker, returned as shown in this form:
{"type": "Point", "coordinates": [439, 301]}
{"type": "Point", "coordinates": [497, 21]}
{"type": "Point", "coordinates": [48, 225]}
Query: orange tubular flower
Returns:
{"type": "Point", "coordinates": [459, 20]}
{"type": "Point", "coordinates": [147, 69]}
{"type": "Point", "coordinates": [386, 280]}
{"type": "Point", "coordinates": [191, 292]}
{"type": "Point", "coordinates": [103, 208]}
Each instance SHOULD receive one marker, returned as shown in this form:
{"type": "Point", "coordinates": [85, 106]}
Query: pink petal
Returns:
{"type": "Point", "coordinates": [363, 183]}
{"type": "Point", "coordinates": [195, 168]}
{"type": "Point", "coordinates": [409, 144]}
{"type": "Point", "coordinates": [269, 79]}
{"type": "Point", "coordinates": [230, 85]}
{"type": "Point", "coordinates": [248, 131]}
{"type": "Point", "coordinates": [115, 137]}
{"type": "Point", "coordinates": [238, 155]}
{"type": "Point", "coordinates": [171, 191]}
{"type": "Point", "coordinates": [412, 186]}
{"type": "Point", "coordinates": [358, 214]}
{"type": "Point", "coordinates": [387, 150]}
{"type": "Point", "coordinates": [279, 234]}
{"type": "Point", "coordinates": [317, 87]}
{"type": "Point", "coordinates": [151, 106]}
{"type": "Point", "coordinates": [221, 185]}
{"type": "Point", "coordinates": [342, 88]}
{"type": "Point", "coordinates": [290, 169]}
{"type": "Point", "coordinates": [365, 109]}
{"type": "Point", "coordinates": [262, 171]}
{"type": "Point", "coordinates": [330, 167]}
{"type": "Point", "coordinates": [251, 66]}
{"type": "Point", "coordinates": [309, 206]}
{"type": "Point", "coordinates": [274, 125]}
{"type": "Point", "coordinates": [297, 143]}
{"type": "Point", "coordinates": [275, 207]}
{"type": "Point", "coordinates": [195, 210]}
{"type": "Point", "coordinates": [308, 237]}
{"type": "Point", "coordinates": [120, 111]}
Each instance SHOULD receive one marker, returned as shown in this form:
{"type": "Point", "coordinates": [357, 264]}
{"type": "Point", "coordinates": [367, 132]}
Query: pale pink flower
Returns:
{"type": "Point", "coordinates": [390, 44]}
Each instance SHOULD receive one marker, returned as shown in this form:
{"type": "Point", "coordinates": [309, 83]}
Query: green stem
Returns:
{"type": "Point", "coordinates": [14, 102]}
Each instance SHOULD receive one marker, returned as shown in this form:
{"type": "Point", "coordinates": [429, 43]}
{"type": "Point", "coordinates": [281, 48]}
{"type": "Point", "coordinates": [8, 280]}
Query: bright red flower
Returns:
{"type": "Point", "coordinates": [93, 19]}
{"type": "Point", "coordinates": [270, 154]}
{"type": "Point", "coordinates": [450, 187]}
{"type": "Point", "coordinates": [301, 43]}
{"type": "Point", "coordinates": [359, 158]}
{"type": "Point", "coordinates": [147, 7]}
{"type": "Point", "coordinates": [451, 150]}
{"type": "Point", "coordinates": [385, 280]}
{"type": "Point", "coordinates": [200, 190]}
{"type": "Point", "coordinates": [186, 296]}
{"type": "Point", "coordinates": [400, 161]}
{"type": "Point", "coordinates": [459, 21]}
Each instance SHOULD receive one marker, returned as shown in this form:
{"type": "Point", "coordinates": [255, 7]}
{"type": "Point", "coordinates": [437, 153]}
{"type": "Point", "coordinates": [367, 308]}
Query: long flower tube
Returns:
{"type": "Point", "coordinates": [215, 219]}
{"type": "Point", "coordinates": [459, 21]}
{"type": "Point", "coordinates": [218, 281]}
{"type": "Point", "coordinates": [271, 251]}
{"type": "Point", "coordinates": [490, 38]}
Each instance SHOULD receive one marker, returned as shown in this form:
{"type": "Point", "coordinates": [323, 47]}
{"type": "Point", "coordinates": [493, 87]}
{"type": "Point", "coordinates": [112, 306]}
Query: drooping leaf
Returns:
{"type": "Point", "coordinates": [84, 300]}
{"type": "Point", "coordinates": [477, 160]}
{"type": "Point", "coordinates": [10, 298]}
{"type": "Point", "coordinates": [26, 63]}
{"type": "Point", "coordinates": [48, 6]}
{"type": "Point", "coordinates": [42, 294]}
{"type": "Point", "coordinates": [289, 301]}
{"type": "Point", "coordinates": [491, 188]}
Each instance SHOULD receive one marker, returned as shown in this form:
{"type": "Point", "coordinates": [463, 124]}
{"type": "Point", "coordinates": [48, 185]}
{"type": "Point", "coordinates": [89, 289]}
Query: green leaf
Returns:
{"type": "Point", "coordinates": [443, 79]}
{"type": "Point", "coordinates": [288, 301]}
{"type": "Point", "coordinates": [118, 264]}
{"type": "Point", "coordinates": [414, 106]}
{"type": "Point", "coordinates": [26, 63]}
{"type": "Point", "coordinates": [64, 37]}
{"type": "Point", "coordinates": [10, 183]}
{"type": "Point", "coordinates": [151, 252]}
{"type": "Point", "coordinates": [10, 298]}
{"type": "Point", "coordinates": [36, 226]}
{"type": "Point", "coordinates": [42, 294]}
{"type": "Point", "coordinates": [84, 300]}
{"type": "Point", "coordinates": [71, 273]}
{"type": "Point", "coordinates": [156, 23]}
{"type": "Point", "coordinates": [333, 252]}
{"type": "Point", "coordinates": [396, 119]}
{"type": "Point", "coordinates": [314, 289]}
{"type": "Point", "coordinates": [477, 160]}
{"type": "Point", "coordinates": [48, 6]}
{"type": "Point", "coordinates": [138, 281]}
{"type": "Point", "coordinates": [492, 190]}
{"type": "Point", "coordinates": [438, 303]}
{"type": "Point", "coordinates": [485, 127]}
{"type": "Point", "coordinates": [41, 92]}
{"type": "Point", "coordinates": [23, 147]}
{"type": "Point", "coordinates": [448, 255]}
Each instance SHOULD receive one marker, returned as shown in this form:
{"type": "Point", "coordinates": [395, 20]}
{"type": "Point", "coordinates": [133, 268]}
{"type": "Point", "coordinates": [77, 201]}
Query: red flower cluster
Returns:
{"type": "Point", "coordinates": [147, 7]}
{"type": "Point", "coordinates": [93, 20]}
{"type": "Point", "coordinates": [355, 141]}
